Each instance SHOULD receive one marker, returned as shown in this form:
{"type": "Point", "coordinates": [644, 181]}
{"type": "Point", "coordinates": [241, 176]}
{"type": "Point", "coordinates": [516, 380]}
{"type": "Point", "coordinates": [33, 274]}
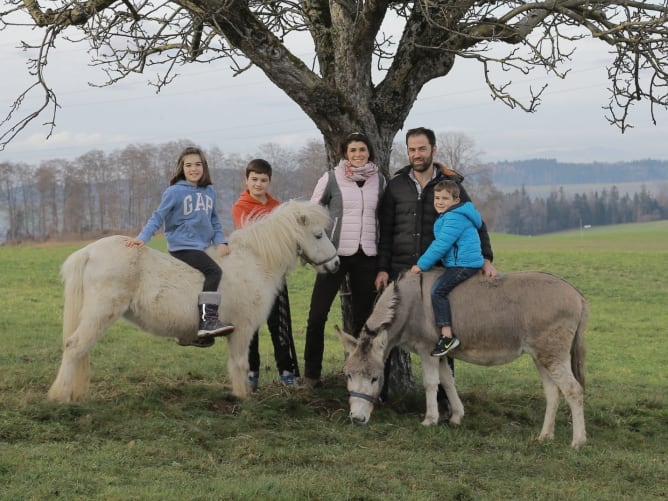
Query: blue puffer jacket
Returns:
{"type": "Point", "coordinates": [456, 240]}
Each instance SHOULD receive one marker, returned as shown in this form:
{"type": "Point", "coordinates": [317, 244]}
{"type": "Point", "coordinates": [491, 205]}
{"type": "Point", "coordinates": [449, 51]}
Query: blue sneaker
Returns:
{"type": "Point", "coordinates": [287, 379]}
{"type": "Point", "coordinates": [253, 381]}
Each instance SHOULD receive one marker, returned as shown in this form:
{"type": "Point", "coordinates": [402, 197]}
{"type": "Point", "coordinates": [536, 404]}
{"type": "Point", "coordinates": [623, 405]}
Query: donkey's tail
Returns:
{"type": "Point", "coordinates": [578, 347]}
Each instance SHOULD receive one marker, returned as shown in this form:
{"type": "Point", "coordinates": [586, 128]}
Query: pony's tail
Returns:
{"type": "Point", "coordinates": [71, 274]}
{"type": "Point", "coordinates": [65, 388]}
{"type": "Point", "coordinates": [578, 347]}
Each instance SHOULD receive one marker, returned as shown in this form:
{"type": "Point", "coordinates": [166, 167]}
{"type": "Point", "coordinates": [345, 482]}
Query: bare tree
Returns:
{"type": "Point", "coordinates": [47, 178]}
{"type": "Point", "coordinates": [364, 75]}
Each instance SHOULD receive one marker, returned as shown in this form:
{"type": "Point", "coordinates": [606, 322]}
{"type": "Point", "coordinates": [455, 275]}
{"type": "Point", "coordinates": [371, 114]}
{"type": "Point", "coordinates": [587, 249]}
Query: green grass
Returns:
{"type": "Point", "coordinates": [161, 423]}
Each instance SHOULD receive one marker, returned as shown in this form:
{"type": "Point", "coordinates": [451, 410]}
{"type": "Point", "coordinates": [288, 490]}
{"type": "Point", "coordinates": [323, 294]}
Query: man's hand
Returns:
{"type": "Point", "coordinates": [488, 269]}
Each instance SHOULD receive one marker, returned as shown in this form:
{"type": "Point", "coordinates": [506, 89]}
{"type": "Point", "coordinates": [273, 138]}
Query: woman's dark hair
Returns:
{"type": "Point", "coordinates": [357, 136]}
{"type": "Point", "coordinates": [179, 175]}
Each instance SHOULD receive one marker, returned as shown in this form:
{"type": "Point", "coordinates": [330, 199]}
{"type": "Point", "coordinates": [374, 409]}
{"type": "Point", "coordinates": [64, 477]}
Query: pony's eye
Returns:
{"type": "Point", "coordinates": [318, 235]}
{"type": "Point", "coordinates": [374, 380]}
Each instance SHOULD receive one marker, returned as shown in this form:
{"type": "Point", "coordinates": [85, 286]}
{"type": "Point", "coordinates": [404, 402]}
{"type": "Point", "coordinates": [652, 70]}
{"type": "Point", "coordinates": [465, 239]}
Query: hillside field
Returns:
{"type": "Point", "coordinates": [161, 424]}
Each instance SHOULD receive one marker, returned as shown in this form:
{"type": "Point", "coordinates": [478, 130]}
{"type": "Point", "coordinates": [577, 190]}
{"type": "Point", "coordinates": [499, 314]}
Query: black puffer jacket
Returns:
{"type": "Point", "coordinates": [407, 222]}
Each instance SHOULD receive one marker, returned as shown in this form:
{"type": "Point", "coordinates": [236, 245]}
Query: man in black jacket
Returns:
{"type": "Point", "coordinates": [407, 215]}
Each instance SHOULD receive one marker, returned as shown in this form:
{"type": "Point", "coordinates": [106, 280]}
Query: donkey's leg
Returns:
{"type": "Point", "coordinates": [562, 375]}
{"type": "Point", "coordinates": [552, 403]}
{"type": "Point", "coordinates": [448, 383]}
{"type": "Point", "coordinates": [430, 379]}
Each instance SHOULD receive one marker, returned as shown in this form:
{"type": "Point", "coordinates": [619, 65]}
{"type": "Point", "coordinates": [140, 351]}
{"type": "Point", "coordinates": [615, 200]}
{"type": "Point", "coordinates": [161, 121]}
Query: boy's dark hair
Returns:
{"type": "Point", "coordinates": [357, 136]}
{"type": "Point", "coordinates": [422, 131]}
{"type": "Point", "coordinates": [179, 175]}
{"type": "Point", "coordinates": [259, 166]}
{"type": "Point", "coordinates": [447, 185]}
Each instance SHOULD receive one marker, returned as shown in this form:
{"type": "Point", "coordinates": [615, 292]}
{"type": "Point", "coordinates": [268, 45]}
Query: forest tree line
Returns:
{"type": "Point", "coordinates": [102, 193]}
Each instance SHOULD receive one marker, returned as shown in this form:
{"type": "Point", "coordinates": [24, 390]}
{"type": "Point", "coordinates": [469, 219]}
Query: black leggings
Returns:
{"type": "Point", "coordinates": [201, 261]}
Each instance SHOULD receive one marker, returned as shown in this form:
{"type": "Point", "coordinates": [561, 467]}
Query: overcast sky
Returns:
{"type": "Point", "coordinates": [209, 107]}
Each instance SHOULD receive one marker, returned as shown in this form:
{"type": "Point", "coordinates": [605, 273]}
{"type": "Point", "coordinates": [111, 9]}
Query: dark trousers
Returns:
{"type": "Point", "coordinates": [361, 270]}
{"type": "Point", "coordinates": [279, 324]}
{"type": "Point", "coordinates": [201, 261]}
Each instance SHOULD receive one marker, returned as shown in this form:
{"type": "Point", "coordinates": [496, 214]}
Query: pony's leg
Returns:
{"type": "Point", "coordinates": [237, 362]}
{"type": "Point", "coordinates": [430, 379]}
{"type": "Point", "coordinates": [448, 382]}
{"type": "Point", "coordinates": [573, 392]}
{"type": "Point", "coordinates": [72, 382]}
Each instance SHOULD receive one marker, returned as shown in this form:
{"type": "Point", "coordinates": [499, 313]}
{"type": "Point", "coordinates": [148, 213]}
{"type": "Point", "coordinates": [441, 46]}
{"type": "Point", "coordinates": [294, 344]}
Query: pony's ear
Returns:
{"type": "Point", "coordinates": [349, 342]}
{"type": "Point", "coordinates": [302, 219]}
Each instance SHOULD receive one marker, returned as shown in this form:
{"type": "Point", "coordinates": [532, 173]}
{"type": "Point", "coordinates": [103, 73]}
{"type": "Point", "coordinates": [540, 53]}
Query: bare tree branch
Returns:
{"type": "Point", "coordinates": [338, 89]}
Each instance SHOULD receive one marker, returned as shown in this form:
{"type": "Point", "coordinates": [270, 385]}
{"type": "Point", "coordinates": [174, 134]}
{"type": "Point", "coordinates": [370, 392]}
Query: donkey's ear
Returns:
{"type": "Point", "coordinates": [381, 338]}
{"type": "Point", "coordinates": [349, 342]}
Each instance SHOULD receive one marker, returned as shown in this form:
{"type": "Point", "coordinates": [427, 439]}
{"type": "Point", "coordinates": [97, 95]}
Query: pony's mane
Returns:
{"type": "Point", "coordinates": [273, 236]}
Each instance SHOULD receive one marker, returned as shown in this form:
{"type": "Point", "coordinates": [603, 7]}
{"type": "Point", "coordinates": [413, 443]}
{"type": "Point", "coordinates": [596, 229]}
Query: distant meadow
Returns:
{"type": "Point", "coordinates": [161, 423]}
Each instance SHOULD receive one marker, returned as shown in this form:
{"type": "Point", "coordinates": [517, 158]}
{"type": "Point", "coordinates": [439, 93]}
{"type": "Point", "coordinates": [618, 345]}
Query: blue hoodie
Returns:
{"type": "Point", "coordinates": [456, 240]}
{"type": "Point", "coordinates": [188, 214]}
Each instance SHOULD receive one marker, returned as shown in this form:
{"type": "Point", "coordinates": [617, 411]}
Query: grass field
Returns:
{"type": "Point", "coordinates": [161, 424]}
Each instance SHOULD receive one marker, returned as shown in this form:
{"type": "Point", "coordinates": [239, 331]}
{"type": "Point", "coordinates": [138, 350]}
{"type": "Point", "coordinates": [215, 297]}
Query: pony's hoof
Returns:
{"type": "Point", "coordinates": [430, 422]}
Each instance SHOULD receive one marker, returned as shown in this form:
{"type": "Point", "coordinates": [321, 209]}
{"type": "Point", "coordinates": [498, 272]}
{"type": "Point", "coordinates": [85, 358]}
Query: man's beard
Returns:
{"type": "Point", "coordinates": [425, 166]}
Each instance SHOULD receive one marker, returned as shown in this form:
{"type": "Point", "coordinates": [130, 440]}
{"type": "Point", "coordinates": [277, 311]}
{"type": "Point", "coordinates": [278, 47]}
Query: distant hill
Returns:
{"type": "Point", "coordinates": [550, 172]}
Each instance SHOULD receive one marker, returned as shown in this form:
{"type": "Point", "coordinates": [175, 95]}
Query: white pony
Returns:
{"type": "Point", "coordinates": [158, 293]}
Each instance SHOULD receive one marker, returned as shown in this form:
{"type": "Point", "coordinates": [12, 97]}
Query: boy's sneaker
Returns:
{"type": "Point", "coordinates": [444, 346]}
{"type": "Point", "coordinates": [287, 379]}
{"type": "Point", "coordinates": [253, 381]}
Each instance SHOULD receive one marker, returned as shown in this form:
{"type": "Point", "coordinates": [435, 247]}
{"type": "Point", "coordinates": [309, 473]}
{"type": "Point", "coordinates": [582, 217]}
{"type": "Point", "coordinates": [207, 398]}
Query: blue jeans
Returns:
{"type": "Point", "coordinates": [444, 284]}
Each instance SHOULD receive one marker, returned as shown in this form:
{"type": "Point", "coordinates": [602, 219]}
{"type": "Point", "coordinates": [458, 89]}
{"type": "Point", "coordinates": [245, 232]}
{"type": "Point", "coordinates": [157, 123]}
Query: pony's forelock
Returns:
{"type": "Point", "coordinates": [273, 235]}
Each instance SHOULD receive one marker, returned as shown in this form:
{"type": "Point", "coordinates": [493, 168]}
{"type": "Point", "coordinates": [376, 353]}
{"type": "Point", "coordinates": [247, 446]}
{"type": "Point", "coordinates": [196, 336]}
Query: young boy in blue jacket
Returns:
{"type": "Point", "coordinates": [457, 246]}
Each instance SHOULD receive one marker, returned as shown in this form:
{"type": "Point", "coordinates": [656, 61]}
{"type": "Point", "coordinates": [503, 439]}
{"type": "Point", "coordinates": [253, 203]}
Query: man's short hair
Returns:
{"type": "Point", "coordinates": [422, 131]}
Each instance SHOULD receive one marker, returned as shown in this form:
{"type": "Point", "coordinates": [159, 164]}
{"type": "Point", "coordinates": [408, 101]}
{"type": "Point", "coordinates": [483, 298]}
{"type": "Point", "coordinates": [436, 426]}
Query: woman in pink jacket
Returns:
{"type": "Point", "coordinates": [351, 192]}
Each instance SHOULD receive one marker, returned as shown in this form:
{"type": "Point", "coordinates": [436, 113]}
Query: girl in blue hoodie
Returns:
{"type": "Point", "coordinates": [457, 246]}
{"type": "Point", "coordinates": [188, 213]}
